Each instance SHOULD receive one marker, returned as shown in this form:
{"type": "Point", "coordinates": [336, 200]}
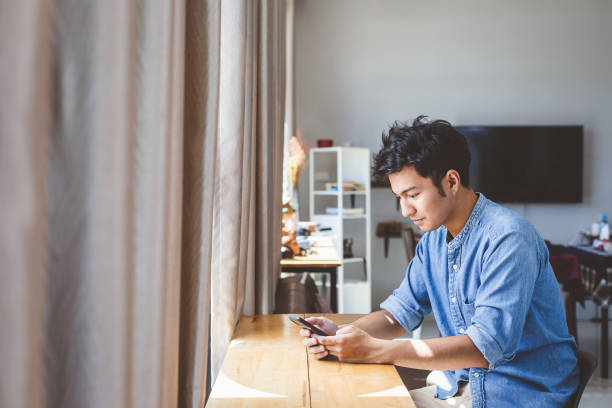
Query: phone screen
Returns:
{"type": "Point", "coordinates": [303, 323]}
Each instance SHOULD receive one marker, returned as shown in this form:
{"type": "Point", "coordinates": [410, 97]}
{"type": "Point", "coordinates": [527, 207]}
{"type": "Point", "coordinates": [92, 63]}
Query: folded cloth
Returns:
{"type": "Point", "coordinates": [567, 271]}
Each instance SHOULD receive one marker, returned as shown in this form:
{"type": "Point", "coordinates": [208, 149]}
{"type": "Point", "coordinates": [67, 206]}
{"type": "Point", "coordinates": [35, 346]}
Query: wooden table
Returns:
{"type": "Point", "coordinates": [323, 259]}
{"type": "Point", "coordinates": [267, 366]}
{"type": "Point", "coordinates": [601, 263]}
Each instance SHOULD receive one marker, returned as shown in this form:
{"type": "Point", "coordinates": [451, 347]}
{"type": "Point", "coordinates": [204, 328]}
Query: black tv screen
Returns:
{"type": "Point", "coordinates": [526, 164]}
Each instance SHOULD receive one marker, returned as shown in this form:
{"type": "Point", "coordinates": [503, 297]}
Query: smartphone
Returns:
{"type": "Point", "coordinates": [303, 323]}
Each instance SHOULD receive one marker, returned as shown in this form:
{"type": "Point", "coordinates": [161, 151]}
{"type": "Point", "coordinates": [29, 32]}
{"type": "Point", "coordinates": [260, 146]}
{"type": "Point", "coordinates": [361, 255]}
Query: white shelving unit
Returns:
{"type": "Point", "coordinates": [338, 165]}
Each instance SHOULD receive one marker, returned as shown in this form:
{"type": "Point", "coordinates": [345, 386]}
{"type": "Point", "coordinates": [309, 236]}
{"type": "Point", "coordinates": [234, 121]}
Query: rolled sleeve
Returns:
{"type": "Point", "coordinates": [409, 303]}
{"type": "Point", "coordinates": [487, 345]}
{"type": "Point", "coordinates": [409, 319]}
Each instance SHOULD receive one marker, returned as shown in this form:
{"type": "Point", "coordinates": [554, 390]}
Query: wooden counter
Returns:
{"type": "Point", "coordinates": [267, 366]}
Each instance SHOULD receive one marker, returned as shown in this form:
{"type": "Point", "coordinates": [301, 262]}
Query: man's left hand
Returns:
{"type": "Point", "coordinates": [351, 344]}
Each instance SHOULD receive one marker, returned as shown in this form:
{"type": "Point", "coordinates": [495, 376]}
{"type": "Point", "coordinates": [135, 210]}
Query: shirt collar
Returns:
{"type": "Point", "coordinates": [474, 217]}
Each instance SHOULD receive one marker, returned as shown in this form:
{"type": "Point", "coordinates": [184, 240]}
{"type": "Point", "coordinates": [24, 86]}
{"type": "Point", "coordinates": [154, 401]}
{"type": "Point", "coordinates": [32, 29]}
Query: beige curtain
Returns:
{"type": "Point", "coordinates": [140, 154]}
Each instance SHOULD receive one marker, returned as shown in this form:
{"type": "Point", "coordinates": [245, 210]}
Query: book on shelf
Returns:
{"type": "Point", "coordinates": [345, 211]}
{"type": "Point", "coordinates": [346, 186]}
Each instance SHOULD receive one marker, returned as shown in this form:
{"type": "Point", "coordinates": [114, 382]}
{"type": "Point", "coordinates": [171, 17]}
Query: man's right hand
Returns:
{"type": "Point", "coordinates": [323, 323]}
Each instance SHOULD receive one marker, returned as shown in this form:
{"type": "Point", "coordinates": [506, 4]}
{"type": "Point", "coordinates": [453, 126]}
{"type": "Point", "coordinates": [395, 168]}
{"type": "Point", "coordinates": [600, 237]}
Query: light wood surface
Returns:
{"type": "Point", "coordinates": [267, 366]}
{"type": "Point", "coordinates": [335, 384]}
{"type": "Point", "coordinates": [323, 256]}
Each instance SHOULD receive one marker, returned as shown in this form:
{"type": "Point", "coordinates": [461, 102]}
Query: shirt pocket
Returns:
{"type": "Point", "coordinates": [468, 310]}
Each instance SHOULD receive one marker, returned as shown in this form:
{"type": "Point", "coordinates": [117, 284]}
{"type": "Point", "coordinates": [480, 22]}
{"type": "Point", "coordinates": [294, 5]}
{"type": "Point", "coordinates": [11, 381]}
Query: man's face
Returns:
{"type": "Point", "coordinates": [420, 198]}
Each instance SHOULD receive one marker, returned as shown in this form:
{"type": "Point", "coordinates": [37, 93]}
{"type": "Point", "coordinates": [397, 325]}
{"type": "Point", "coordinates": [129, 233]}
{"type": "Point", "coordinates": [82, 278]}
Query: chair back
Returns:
{"type": "Point", "coordinates": [409, 241]}
{"type": "Point", "coordinates": [587, 362]}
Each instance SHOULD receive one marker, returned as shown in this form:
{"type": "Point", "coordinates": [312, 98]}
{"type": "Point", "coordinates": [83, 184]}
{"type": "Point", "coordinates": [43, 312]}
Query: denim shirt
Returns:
{"type": "Point", "coordinates": [494, 283]}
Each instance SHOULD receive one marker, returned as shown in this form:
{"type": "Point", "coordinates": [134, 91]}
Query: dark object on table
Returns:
{"type": "Point", "coordinates": [325, 143]}
{"type": "Point", "coordinates": [286, 252]}
{"type": "Point", "coordinates": [299, 294]}
{"type": "Point", "coordinates": [586, 364]}
{"type": "Point", "coordinates": [306, 325]}
{"type": "Point", "coordinates": [389, 229]}
{"type": "Point", "coordinates": [303, 232]}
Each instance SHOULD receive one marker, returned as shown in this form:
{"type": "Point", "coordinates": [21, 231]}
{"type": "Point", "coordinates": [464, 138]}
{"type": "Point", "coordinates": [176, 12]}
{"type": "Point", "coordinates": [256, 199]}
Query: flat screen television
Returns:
{"type": "Point", "coordinates": [526, 164]}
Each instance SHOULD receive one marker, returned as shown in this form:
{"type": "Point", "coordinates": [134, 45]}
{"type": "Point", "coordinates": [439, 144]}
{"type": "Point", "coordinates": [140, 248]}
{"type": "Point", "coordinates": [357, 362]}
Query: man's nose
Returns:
{"type": "Point", "coordinates": [407, 210]}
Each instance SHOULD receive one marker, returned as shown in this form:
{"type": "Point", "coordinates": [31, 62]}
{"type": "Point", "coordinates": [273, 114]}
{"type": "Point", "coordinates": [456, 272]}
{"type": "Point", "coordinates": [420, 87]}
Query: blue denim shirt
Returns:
{"type": "Point", "coordinates": [494, 283]}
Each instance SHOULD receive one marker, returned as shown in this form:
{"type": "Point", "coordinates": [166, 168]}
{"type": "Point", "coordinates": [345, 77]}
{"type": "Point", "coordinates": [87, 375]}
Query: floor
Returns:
{"type": "Point", "coordinates": [598, 392]}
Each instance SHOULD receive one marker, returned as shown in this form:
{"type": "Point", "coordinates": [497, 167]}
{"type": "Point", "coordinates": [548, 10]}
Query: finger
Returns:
{"type": "Point", "coordinates": [333, 349]}
{"type": "Point", "coordinates": [305, 332]}
{"type": "Point", "coordinates": [316, 320]}
{"type": "Point", "coordinates": [316, 349]}
{"type": "Point", "coordinates": [328, 340]}
{"type": "Point", "coordinates": [321, 355]}
{"type": "Point", "coordinates": [345, 329]}
{"type": "Point", "coordinates": [310, 341]}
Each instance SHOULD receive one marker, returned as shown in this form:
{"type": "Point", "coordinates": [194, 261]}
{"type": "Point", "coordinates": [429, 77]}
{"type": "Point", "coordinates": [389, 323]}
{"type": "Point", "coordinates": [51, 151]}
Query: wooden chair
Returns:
{"type": "Point", "coordinates": [410, 242]}
{"type": "Point", "coordinates": [587, 362]}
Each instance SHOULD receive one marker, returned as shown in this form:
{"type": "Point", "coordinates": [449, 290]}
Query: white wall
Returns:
{"type": "Point", "coordinates": [361, 65]}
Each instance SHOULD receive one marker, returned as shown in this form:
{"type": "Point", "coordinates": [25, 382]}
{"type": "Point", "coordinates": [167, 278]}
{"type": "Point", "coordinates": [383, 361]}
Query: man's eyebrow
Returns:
{"type": "Point", "coordinates": [406, 190]}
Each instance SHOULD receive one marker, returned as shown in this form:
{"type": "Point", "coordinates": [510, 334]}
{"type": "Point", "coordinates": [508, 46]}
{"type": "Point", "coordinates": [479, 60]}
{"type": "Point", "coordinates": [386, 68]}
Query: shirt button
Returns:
{"type": "Point", "coordinates": [476, 375]}
{"type": "Point", "coordinates": [453, 299]}
{"type": "Point", "coordinates": [461, 330]}
{"type": "Point", "coordinates": [455, 267]}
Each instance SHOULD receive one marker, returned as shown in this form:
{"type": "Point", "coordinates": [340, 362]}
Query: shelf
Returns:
{"type": "Point", "coordinates": [333, 193]}
{"type": "Point", "coordinates": [342, 165]}
{"type": "Point", "coordinates": [354, 259]}
{"type": "Point", "coordinates": [356, 282]}
{"type": "Point", "coordinates": [344, 217]}
{"type": "Point", "coordinates": [336, 149]}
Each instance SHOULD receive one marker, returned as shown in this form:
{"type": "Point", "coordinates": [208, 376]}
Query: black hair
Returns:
{"type": "Point", "coordinates": [432, 148]}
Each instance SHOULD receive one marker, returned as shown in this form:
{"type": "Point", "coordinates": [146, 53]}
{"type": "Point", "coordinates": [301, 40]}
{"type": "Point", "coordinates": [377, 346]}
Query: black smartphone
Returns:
{"type": "Point", "coordinates": [303, 323]}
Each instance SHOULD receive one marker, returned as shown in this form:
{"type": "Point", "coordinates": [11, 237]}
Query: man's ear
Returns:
{"type": "Point", "coordinates": [454, 180]}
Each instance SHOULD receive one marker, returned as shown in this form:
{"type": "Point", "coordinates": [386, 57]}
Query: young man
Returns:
{"type": "Point", "coordinates": [482, 270]}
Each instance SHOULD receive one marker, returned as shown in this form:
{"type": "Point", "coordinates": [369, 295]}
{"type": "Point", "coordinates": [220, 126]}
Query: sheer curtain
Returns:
{"type": "Point", "coordinates": [140, 157]}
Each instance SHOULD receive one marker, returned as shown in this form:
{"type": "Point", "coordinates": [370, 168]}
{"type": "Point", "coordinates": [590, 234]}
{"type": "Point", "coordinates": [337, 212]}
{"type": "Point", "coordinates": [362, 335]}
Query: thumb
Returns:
{"type": "Point", "coordinates": [327, 340]}
{"type": "Point", "coordinates": [347, 328]}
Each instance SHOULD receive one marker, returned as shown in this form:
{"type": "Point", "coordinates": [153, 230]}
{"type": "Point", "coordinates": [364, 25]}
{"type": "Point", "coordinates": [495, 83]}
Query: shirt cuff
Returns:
{"type": "Point", "coordinates": [487, 346]}
{"type": "Point", "coordinates": [407, 317]}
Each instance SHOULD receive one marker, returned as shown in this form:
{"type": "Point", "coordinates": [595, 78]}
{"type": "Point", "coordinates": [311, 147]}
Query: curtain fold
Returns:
{"type": "Point", "coordinates": [140, 182]}
{"type": "Point", "coordinates": [247, 210]}
{"type": "Point", "coordinates": [200, 163]}
{"type": "Point", "coordinates": [24, 85]}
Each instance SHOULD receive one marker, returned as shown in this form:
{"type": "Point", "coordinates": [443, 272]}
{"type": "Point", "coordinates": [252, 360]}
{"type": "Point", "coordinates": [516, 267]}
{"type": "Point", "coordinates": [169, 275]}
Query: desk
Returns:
{"type": "Point", "coordinates": [267, 366]}
{"type": "Point", "coordinates": [324, 259]}
{"type": "Point", "coordinates": [596, 268]}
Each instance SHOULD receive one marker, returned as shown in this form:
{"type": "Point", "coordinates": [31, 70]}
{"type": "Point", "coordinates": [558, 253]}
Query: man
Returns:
{"type": "Point", "coordinates": [482, 270]}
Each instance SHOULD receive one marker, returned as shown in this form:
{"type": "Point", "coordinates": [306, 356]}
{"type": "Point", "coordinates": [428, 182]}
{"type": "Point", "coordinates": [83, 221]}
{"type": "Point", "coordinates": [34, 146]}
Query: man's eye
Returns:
{"type": "Point", "coordinates": [413, 195]}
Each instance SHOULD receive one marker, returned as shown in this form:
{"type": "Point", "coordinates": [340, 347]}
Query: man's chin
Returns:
{"type": "Point", "coordinates": [425, 228]}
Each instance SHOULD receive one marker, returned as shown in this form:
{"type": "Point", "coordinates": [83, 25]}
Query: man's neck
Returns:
{"type": "Point", "coordinates": [466, 200]}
